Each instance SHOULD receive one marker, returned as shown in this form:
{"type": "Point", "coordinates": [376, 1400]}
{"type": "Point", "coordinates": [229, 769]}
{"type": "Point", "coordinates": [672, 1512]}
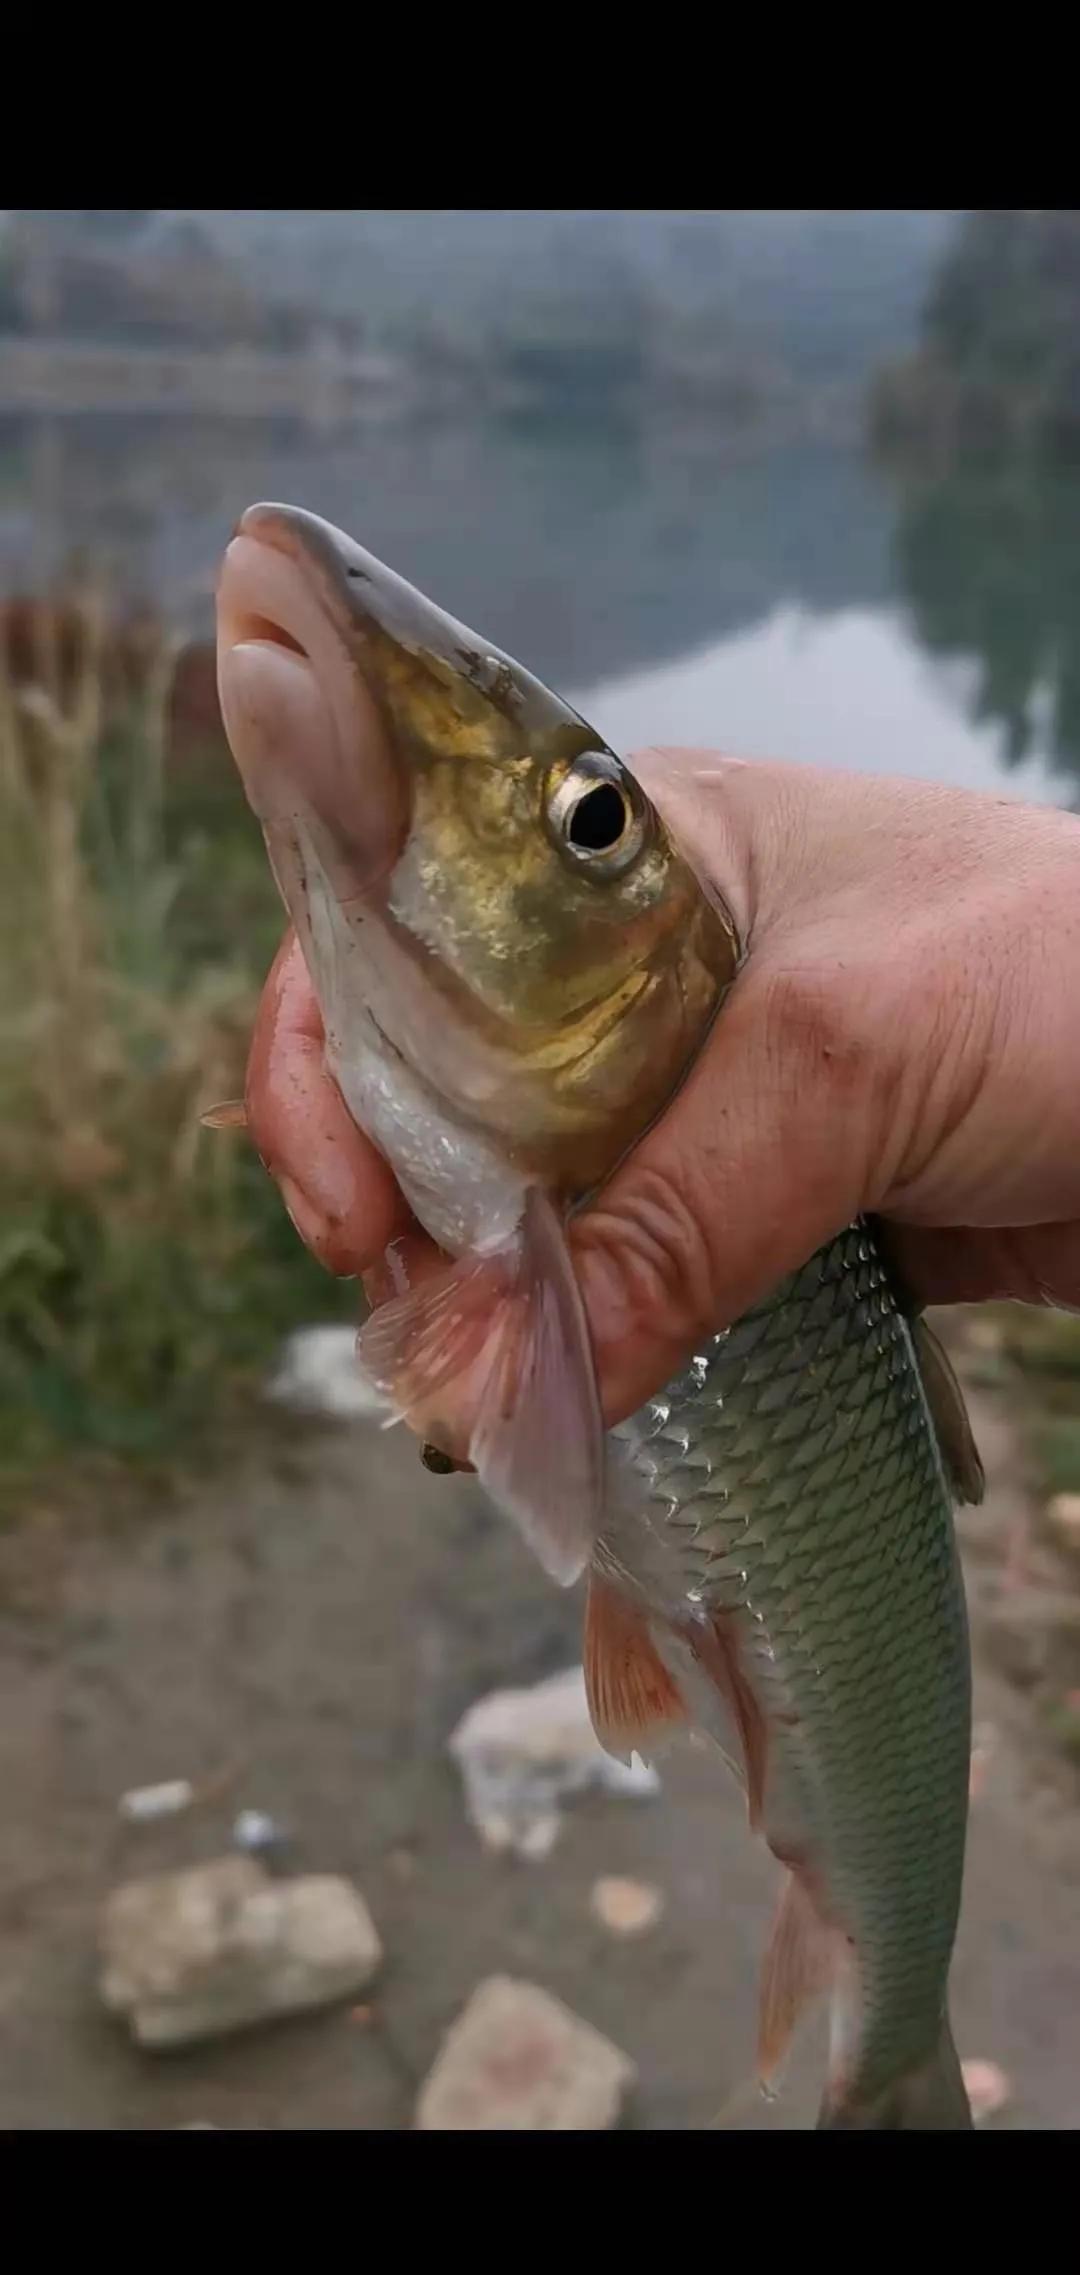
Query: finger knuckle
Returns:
{"type": "Point", "coordinates": [833, 1017]}
{"type": "Point", "coordinates": [656, 1251]}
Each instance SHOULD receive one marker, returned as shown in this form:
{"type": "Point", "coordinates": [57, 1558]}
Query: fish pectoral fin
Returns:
{"type": "Point", "coordinates": [714, 1645]}
{"type": "Point", "coordinates": [502, 1340]}
{"type": "Point", "coordinates": [632, 1698]}
{"type": "Point", "coordinates": [805, 1958]}
{"type": "Point", "coordinates": [231, 1114]}
{"type": "Point", "coordinates": [948, 1411]}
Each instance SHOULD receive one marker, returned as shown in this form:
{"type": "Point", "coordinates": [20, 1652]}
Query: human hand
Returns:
{"type": "Point", "coordinates": [903, 1041]}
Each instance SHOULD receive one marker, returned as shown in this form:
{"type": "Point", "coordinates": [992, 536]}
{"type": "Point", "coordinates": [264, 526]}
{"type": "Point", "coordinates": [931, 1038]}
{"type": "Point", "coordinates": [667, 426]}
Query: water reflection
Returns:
{"type": "Point", "coordinates": [967, 670]}
{"type": "Point", "coordinates": [779, 603]}
{"type": "Point", "coordinates": [586, 551]}
{"type": "Point", "coordinates": [989, 562]}
{"type": "Point", "coordinates": [853, 690]}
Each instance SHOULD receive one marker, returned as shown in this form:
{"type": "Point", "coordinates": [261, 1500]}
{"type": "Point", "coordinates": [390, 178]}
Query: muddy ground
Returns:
{"type": "Point", "coordinates": [309, 1631]}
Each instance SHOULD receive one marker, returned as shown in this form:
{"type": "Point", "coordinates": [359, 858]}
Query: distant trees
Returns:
{"type": "Point", "coordinates": [999, 359]}
{"type": "Point", "coordinates": [136, 275]}
{"type": "Point", "coordinates": [980, 429]}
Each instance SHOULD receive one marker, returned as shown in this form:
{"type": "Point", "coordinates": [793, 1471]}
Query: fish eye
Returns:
{"type": "Point", "coordinates": [597, 815]}
{"type": "Point", "coordinates": [598, 820]}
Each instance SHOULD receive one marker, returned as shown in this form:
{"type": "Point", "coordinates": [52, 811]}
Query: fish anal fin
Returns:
{"type": "Point", "coordinates": [632, 1698]}
{"type": "Point", "coordinates": [500, 1343]}
{"type": "Point", "coordinates": [948, 1410]}
{"type": "Point", "coordinates": [805, 1958]}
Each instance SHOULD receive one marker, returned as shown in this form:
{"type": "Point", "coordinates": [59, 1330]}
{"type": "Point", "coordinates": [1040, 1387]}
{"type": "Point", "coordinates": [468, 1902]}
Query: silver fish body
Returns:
{"type": "Point", "coordinates": [787, 1493]}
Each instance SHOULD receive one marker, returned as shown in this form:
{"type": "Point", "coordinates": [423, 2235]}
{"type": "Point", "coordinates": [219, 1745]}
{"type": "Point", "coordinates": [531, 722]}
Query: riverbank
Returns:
{"type": "Point", "coordinates": [307, 1631]}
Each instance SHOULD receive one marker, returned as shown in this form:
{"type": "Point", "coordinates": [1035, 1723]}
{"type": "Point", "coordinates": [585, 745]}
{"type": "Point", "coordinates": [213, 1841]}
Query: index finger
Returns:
{"type": "Point", "coordinates": [340, 1193]}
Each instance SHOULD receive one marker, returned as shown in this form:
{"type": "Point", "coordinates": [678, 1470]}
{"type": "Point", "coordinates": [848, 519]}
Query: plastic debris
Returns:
{"type": "Point", "coordinates": [144, 1804]}
{"type": "Point", "coordinates": [521, 1752]}
{"type": "Point", "coordinates": [255, 1832]}
{"type": "Point", "coordinates": [318, 1373]}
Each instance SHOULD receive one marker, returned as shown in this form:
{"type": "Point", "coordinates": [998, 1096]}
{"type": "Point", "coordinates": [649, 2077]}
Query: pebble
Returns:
{"type": "Point", "coordinates": [984, 1747]}
{"type": "Point", "coordinates": [627, 1907]}
{"type": "Point", "coordinates": [988, 2089]}
{"type": "Point", "coordinates": [1063, 1518]}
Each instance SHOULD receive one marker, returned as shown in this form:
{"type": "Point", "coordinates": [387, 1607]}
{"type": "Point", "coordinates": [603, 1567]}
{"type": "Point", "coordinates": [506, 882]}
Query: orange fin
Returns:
{"type": "Point", "coordinates": [230, 1115]}
{"type": "Point", "coordinates": [506, 1334]}
{"type": "Point", "coordinates": [631, 1695]}
{"type": "Point", "coordinates": [714, 1644]}
{"type": "Point", "coordinates": [802, 1961]}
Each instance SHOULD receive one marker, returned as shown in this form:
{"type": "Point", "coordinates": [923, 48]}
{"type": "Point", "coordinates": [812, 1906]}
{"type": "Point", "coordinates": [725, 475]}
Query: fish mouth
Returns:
{"type": "Point", "coordinates": [314, 750]}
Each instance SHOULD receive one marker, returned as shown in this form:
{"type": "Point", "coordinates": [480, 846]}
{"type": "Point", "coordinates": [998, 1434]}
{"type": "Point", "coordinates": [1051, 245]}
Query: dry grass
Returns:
{"type": "Point", "coordinates": [145, 1265]}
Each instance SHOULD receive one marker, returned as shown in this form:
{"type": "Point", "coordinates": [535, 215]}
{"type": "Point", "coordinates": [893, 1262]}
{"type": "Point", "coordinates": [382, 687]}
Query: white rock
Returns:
{"type": "Point", "coordinates": [627, 1907]}
{"type": "Point", "coordinates": [987, 2089]}
{"type": "Point", "coordinates": [318, 1373]}
{"type": "Point", "coordinates": [518, 2061]}
{"type": "Point", "coordinates": [1063, 1516]}
{"type": "Point", "coordinates": [521, 1751]}
{"type": "Point", "coordinates": [194, 1954]}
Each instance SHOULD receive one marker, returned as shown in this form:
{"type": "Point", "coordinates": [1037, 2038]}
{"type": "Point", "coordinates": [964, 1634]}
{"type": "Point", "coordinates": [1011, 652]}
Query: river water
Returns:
{"type": "Point", "coordinates": [785, 602]}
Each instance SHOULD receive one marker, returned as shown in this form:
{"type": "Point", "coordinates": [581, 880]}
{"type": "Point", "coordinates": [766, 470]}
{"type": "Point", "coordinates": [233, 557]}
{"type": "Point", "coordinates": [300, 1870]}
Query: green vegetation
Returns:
{"type": "Point", "coordinates": [1031, 1357]}
{"type": "Point", "coordinates": [146, 1265]}
{"type": "Point", "coordinates": [1057, 1444]}
{"type": "Point", "coordinates": [1038, 1353]}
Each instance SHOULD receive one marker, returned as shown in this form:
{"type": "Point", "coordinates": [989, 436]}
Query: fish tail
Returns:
{"type": "Point", "coordinates": [931, 2098]}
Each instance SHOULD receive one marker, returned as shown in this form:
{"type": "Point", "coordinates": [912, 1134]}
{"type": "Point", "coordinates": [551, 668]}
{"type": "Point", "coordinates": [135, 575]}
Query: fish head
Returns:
{"type": "Point", "coordinates": [470, 869]}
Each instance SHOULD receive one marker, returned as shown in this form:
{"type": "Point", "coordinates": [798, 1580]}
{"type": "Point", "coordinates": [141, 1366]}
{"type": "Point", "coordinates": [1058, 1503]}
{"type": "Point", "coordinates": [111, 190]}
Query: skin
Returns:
{"type": "Point", "coordinates": [904, 1041]}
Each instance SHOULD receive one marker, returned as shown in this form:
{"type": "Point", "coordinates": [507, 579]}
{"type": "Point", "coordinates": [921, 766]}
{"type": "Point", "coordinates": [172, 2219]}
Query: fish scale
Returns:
{"type": "Point", "coordinates": [791, 1478]}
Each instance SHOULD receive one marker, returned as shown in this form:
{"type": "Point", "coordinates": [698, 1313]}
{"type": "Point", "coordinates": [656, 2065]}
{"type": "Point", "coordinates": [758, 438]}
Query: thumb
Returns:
{"type": "Point", "coordinates": [765, 1154]}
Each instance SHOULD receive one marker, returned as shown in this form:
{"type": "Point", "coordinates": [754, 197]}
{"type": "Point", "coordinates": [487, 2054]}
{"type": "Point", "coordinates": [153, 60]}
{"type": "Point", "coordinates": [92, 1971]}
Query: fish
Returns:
{"type": "Point", "coordinates": [516, 966]}
{"type": "Point", "coordinates": [514, 963]}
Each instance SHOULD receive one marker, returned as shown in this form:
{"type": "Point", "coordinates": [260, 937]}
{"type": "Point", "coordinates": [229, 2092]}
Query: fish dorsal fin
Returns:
{"type": "Point", "coordinates": [949, 1414]}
